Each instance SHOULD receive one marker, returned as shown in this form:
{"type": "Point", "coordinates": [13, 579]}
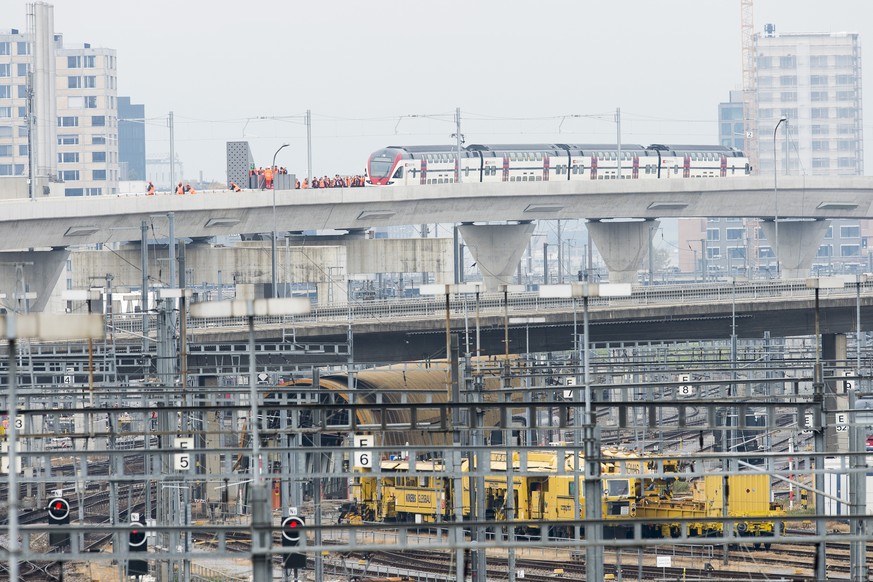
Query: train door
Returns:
{"type": "Point", "coordinates": [635, 167]}
{"type": "Point", "coordinates": [536, 501]}
{"type": "Point", "coordinates": [686, 166]}
{"type": "Point", "coordinates": [545, 168]}
{"type": "Point", "coordinates": [722, 166]}
{"type": "Point", "coordinates": [593, 167]}
{"type": "Point", "coordinates": [423, 171]}
{"type": "Point", "coordinates": [506, 167]}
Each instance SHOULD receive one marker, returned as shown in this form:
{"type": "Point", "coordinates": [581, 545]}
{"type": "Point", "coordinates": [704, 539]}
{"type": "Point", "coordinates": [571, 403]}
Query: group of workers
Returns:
{"type": "Point", "coordinates": [336, 182]}
{"type": "Point", "coordinates": [180, 189]}
{"type": "Point", "coordinates": [265, 180]}
{"type": "Point", "coordinates": [265, 175]}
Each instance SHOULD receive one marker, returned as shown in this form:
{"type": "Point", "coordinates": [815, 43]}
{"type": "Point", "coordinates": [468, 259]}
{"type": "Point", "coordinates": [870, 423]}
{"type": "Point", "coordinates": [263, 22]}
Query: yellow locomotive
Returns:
{"type": "Point", "coordinates": [547, 485]}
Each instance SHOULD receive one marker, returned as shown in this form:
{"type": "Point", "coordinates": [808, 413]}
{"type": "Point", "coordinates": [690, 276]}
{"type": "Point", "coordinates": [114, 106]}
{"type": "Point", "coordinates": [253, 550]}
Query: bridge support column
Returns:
{"type": "Point", "coordinates": [623, 246]}
{"type": "Point", "coordinates": [798, 243]}
{"type": "Point", "coordinates": [41, 272]}
{"type": "Point", "coordinates": [497, 249]}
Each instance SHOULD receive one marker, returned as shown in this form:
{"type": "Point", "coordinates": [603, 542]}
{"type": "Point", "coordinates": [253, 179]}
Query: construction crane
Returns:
{"type": "Point", "coordinates": [750, 116]}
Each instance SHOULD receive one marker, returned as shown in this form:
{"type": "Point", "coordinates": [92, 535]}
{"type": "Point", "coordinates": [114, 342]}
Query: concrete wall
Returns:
{"type": "Point", "coordinates": [327, 266]}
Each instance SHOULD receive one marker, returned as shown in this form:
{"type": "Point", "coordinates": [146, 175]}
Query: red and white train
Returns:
{"type": "Point", "coordinates": [418, 165]}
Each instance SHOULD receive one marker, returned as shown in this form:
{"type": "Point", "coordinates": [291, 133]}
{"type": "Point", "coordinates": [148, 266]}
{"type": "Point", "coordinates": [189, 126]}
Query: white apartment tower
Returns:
{"type": "Point", "coordinates": [814, 81]}
{"type": "Point", "coordinates": [68, 131]}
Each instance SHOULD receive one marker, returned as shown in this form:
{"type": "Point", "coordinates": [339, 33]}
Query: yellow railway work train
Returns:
{"type": "Point", "coordinates": [546, 484]}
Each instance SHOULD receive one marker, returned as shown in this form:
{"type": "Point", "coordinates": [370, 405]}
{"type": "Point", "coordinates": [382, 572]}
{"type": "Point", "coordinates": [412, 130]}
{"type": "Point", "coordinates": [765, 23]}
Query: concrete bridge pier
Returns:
{"type": "Point", "coordinates": [623, 245]}
{"type": "Point", "coordinates": [497, 248]}
{"type": "Point", "coordinates": [40, 270]}
{"type": "Point", "coordinates": [799, 241]}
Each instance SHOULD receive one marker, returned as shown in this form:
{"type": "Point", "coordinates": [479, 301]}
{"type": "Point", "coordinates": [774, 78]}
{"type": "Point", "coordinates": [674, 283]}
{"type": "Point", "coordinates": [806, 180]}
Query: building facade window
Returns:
{"type": "Point", "coordinates": [98, 121]}
{"type": "Point", "coordinates": [817, 80]}
{"type": "Point", "coordinates": [74, 82]}
{"type": "Point", "coordinates": [98, 156]}
{"type": "Point", "coordinates": [68, 121]}
{"type": "Point", "coordinates": [68, 158]}
{"type": "Point", "coordinates": [68, 139]}
{"type": "Point", "coordinates": [850, 250]}
{"type": "Point", "coordinates": [98, 175]}
{"type": "Point", "coordinates": [734, 233]}
{"type": "Point", "coordinates": [850, 231]}
{"type": "Point", "coordinates": [818, 61]}
{"type": "Point", "coordinates": [788, 62]}
{"type": "Point", "coordinates": [69, 175]}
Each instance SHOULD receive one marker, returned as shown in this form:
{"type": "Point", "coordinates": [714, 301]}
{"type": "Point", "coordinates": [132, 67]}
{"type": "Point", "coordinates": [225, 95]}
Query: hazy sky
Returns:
{"type": "Point", "coordinates": [520, 71]}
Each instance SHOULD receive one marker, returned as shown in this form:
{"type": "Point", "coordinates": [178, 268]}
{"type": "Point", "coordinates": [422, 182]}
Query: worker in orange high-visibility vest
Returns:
{"type": "Point", "coordinates": [268, 178]}
{"type": "Point", "coordinates": [180, 189]}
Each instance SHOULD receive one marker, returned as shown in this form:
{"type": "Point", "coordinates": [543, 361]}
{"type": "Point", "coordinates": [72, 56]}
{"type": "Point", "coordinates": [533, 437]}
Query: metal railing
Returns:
{"type": "Point", "coordinates": [490, 304]}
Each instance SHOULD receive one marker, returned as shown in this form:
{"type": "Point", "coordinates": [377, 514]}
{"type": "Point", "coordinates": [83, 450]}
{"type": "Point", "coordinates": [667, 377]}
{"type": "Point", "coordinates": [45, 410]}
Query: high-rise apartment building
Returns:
{"type": "Point", "coordinates": [814, 82]}
{"type": "Point", "coordinates": [71, 138]}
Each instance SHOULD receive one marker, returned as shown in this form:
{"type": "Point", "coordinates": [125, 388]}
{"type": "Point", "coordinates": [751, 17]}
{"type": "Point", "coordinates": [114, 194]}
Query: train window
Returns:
{"type": "Point", "coordinates": [398, 173]}
{"type": "Point", "coordinates": [422, 482]}
{"type": "Point", "coordinates": [618, 488]}
{"type": "Point", "coordinates": [539, 156]}
{"type": "Point", "coordinates": [571, 488]}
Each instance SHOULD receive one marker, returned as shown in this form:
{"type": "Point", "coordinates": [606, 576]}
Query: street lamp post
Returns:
{"type": "Point", "coordinates": [776, 195]}
{"type": "Point", "coordinates": [273, 240]}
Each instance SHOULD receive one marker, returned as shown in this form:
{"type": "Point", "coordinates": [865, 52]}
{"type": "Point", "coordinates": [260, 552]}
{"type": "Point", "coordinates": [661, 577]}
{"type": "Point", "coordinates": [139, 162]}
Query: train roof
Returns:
{"type": "Point", "coordinates": [694, 148]}
{"type": "Point", "coordinates": [425, 148]}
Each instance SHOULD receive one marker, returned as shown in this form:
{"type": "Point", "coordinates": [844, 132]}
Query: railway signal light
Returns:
{"type": "Point", "coordinates": [293, 529]}
{"type": "Point", "coordinates": [137, 542]}
{"type": "Point", "coordinates": [59, 511]}
{"type": "Point", "coordinates": [59, 514]}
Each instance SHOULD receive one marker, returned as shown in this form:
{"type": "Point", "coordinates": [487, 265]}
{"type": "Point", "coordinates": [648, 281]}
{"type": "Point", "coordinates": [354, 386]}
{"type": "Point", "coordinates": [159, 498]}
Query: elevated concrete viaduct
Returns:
{"type": "Point", "coordinates": [620, 208]}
